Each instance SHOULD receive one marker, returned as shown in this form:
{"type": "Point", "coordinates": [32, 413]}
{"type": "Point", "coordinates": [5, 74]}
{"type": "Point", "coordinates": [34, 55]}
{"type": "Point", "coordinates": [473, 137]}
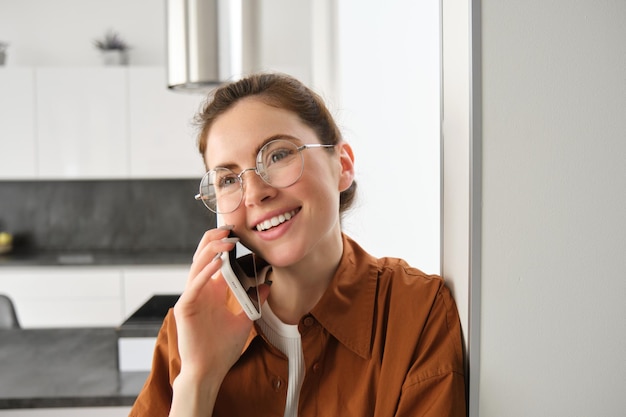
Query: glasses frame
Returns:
{"type": "Point", "coordinates": [255, 169]}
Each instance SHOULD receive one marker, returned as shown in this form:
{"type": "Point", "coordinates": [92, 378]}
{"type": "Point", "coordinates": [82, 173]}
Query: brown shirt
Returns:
{"type": "Point", "coordinates": [384, 340]}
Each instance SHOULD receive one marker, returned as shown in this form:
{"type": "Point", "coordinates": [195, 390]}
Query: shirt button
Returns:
{"type": "Point", "coordinates": [309, 321]}
{"type": "Point", "coordinates": [277, 383]}
{"type": "Point", "coordinates": [316, 367]}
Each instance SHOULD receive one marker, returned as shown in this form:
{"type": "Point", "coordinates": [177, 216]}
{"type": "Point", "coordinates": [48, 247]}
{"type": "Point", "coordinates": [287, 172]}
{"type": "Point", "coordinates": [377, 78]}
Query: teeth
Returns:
{"type": "Point", "coordinates": [275, 221]}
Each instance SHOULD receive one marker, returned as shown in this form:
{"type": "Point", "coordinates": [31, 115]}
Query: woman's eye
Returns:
{"type": "Point", "coordinates": [227, 181]}
{"type": "Point", "coordinates": [279, 155]}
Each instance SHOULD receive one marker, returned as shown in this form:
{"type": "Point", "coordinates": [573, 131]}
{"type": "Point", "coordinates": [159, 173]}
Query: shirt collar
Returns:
{"type": "Point", "coordinates": [346, 309]}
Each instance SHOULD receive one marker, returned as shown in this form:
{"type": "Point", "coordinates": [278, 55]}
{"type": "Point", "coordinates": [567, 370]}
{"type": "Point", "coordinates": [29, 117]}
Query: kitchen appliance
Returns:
{"type": "Point", "coordinates": [209, 42]}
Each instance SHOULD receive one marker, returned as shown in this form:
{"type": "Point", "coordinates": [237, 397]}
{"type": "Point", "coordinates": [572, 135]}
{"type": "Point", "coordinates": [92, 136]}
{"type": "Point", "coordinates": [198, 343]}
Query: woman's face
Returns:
{"type": "Point", "coordinates": [313, 201]}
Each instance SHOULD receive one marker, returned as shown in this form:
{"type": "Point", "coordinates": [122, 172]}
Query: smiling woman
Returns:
{"type": "Point", "coordinates": [323, 339]}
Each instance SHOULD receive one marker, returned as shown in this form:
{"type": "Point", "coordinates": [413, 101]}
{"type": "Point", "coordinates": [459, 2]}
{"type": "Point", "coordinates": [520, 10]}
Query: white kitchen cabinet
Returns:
{"type": "Point", "coordinates": [142, 282]}
{"type": "Point", "coordinates": [17, 123]}
{"type": "Point", "coordinates": [82, 123]}
{"type": "Point", "coordinates": [86, 296]}
{"type": "Point", "coordinates": [162, 137]}
{"type": "Point", "coordinates": [96, 123]}
{"type": "Point", "coordinates": [64, 296]}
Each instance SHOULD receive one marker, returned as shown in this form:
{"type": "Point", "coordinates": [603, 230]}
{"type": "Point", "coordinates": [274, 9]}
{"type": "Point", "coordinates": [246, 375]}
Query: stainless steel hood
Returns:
{"type": "Point", "coordinates": [209, 42]}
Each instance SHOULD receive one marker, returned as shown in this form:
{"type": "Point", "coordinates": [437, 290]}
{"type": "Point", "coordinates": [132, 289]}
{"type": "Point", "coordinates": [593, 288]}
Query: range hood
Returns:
{"type": "Point", "coordinates": [209, 42]}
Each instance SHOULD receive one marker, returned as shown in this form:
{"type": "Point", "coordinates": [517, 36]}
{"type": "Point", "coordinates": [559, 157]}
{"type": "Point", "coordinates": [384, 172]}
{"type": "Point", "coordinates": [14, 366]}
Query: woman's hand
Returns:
{"type": "Point", "coordinates": [210, 336]}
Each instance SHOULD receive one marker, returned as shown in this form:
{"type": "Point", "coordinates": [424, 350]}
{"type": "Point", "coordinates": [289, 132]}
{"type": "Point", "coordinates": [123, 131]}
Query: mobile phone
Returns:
{"type": "Point", "coordinates": [241, 275]}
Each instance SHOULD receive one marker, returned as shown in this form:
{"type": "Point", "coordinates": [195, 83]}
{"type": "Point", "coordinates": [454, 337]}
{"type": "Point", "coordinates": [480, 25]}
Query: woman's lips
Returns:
{"type": "Point", "coordinates": [275, 221]}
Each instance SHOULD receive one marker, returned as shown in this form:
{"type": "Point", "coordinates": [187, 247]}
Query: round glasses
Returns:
{"type": "Point", "coordinates": [279, 163]}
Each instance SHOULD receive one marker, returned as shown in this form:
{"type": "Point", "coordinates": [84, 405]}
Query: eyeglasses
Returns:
{"type": "Point", "coordinates": [279, 163]}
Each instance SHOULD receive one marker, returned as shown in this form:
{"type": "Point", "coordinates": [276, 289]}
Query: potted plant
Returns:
{"type": "Point", "coordinates": [113, 48]}
{"type": "Point", "coordinates": [3, 53]}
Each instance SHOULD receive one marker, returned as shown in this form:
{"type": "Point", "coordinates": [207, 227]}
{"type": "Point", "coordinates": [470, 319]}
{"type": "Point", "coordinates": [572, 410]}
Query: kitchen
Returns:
{"type": "Point", "coordinates": [532, 160]}
{"type": "Point", "coordinates": [100, 266]}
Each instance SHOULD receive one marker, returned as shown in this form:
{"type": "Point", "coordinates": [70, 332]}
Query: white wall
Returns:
{"type": "Point", "coordinates": [554, 202]}
{"type": "Point", "coordinates": [456, 251]}
{"type": "Point", "coordinates": [388, 108]}
{"type": "Point", "coordinates": [61, 32]}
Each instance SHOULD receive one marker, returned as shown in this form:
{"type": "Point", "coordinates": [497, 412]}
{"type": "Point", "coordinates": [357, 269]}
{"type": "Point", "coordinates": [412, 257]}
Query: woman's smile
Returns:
{"type": "Point", "coordinates": [276, 220]}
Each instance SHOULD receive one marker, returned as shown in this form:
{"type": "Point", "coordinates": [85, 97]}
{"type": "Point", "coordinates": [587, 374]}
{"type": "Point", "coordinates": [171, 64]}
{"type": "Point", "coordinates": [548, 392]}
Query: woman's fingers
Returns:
{"type": "Point", "coordinates": [196, 283]}
{"type": "Point", "coordinates": [211, 254]}
{"type": "Point", "coordinates": [213, 241]}
{"type": "Point", "coordinates": [211, 235]}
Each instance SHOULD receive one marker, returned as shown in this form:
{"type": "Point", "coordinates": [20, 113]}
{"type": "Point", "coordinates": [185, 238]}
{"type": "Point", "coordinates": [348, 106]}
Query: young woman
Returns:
{"type": "Point", "coordinates": [342, 333]}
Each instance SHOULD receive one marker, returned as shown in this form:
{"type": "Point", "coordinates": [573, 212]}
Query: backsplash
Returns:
{"type": "Point", "coordinates": [115, 215]}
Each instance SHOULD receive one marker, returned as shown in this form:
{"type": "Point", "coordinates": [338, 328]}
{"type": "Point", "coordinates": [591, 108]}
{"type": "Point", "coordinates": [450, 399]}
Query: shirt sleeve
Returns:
{"type": "Point", "coordinates": [155, 398]}
{"type": "Point", "coordinates": [435, 384]}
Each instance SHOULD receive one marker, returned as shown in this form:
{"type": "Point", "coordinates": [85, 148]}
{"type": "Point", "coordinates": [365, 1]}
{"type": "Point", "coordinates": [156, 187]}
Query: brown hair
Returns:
{"type": "Point", "coordinates": [282, 91]}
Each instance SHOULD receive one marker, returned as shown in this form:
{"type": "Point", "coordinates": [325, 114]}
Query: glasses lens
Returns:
{"type": "Point", "coordinates": [221, 191]}
{"type": "Point", "coordinates": [280, 163]}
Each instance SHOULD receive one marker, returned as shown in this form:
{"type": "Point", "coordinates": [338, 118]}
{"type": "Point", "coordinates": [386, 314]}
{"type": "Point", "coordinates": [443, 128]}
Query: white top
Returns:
{"type": "Point", "coordinates": [286, 338]}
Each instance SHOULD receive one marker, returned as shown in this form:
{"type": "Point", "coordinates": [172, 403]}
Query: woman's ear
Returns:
{"type": "Point", "coordinates": [346, 158]}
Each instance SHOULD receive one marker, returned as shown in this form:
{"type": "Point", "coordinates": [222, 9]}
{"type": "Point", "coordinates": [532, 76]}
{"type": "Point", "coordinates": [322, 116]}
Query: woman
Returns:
{"type": "Point", "coordinates": [341, 332]}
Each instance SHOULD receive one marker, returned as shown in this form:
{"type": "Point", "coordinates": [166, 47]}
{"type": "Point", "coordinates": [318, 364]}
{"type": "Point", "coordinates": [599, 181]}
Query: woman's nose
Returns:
{"type": "Point", "coordinates": [255, 189]}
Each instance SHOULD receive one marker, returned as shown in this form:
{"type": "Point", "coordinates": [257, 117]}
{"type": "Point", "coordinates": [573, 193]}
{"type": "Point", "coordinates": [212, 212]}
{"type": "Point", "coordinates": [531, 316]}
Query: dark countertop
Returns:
{"type": "Point", "coordinates": [73, 367]}
{"type": "Point", "coordinates": [147, 319]}
{"type": "Point", "coordinates": [75, 258]}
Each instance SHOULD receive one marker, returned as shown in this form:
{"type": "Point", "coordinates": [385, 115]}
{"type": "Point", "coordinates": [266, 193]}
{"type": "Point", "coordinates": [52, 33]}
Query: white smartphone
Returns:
{"type": "Point", "coordinates": [241, 275]}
